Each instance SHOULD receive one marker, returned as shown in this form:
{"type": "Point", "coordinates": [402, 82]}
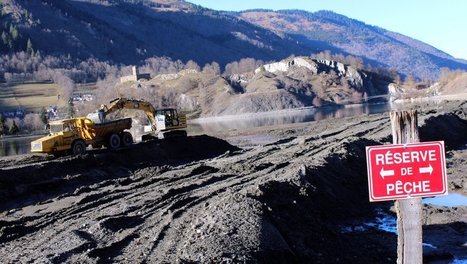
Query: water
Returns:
{"type": "Point", "coordinates": [388, 223]}
{"type": "Point", "coordinates": [451, 200]}
{"type": "Point", "coordinates": [383, 221]}
{"type": "Point", "coordinates": [16, 145]}
{"type": "Point", "coordinates": [289, 116]}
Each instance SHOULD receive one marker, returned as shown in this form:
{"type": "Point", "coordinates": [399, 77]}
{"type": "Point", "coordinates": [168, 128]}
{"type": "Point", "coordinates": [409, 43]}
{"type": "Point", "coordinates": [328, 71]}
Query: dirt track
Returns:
{"type": "Point", "coordinates": [204, 200]}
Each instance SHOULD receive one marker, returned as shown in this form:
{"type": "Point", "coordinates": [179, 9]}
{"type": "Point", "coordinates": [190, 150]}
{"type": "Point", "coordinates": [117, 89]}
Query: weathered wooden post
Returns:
{"type": "Point", "coordinates": [409, 221]}
{"type": "Point", "coordinates": [406, 171]}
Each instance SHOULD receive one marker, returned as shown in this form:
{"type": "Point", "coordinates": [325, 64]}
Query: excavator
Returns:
{"type": "Point", "coordinates": [166, 122]}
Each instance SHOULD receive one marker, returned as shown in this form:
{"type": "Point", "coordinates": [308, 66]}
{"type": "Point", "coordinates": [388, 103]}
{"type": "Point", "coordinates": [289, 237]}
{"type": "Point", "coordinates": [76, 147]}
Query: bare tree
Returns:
{"type": "Point", "coordinates": [212, 68]}
{"type": "Point", "coordinates": [356, 97]}
{"type": "Point", "coordinates": [353, 61]}
{"type": "Point", "coordinates": [242, 66]}
{"type": "Point", "coordinates": [32, 122]}
{"type": "Point", "coordinates": [13, 125]}
{"type": "Point", "coordinates": [447, 74]}
{"type": "Point", "coordinates": [160, 65]}
{"type": "Point", "coordinates": [409, 81]}
{"type": "Point", "coordinates": [325, 55]}
{"type": "Point", "coordinates": [65, 83]}
{"type": "Point", "coordinates": [231, 68]}
{"type": "Point", "coordinates": [248, 64]}
{"type": "Point", "coordinates": [192, 65]}
{"type": "Point", "coordinates": [106, 89]}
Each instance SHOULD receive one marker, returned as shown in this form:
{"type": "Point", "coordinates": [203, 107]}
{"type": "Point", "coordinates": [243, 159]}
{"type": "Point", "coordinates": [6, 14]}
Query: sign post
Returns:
{"type": "Point", "coordinates": [406, 171]}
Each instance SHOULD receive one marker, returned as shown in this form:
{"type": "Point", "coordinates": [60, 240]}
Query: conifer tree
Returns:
{"type": "Point", "coordinates": [43, 115]}
{"type": "Point", "coordinates": [29, 48]}
{"type": "Point", "coordinates": [3, 127]}
{"type": "Point", "coordinates": [14, 128]}
{"type": "Point", "coordinates": [70, 108]}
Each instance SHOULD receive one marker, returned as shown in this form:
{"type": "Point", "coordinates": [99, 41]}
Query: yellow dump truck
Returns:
{"type": "Point", "coordinates": [75, 134]}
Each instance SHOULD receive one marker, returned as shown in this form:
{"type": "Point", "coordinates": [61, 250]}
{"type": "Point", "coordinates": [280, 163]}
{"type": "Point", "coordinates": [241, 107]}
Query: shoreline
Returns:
{"type": "Point", "coordinates": [10, 137]}
{"type": "Point", "coordinates": [438, 98]}
{"type": "Point", "coordinates": [313, 109]}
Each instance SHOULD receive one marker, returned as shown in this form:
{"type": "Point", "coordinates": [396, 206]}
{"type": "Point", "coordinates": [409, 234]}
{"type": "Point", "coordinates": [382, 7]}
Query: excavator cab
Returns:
{"type": "Point", "coordinates": [167, 118]}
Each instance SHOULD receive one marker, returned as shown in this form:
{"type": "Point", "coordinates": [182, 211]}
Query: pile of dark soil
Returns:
{"type": "Point", "coordinates": [33, 178]}
{"type": "Point", "coordinates": [200, 199]}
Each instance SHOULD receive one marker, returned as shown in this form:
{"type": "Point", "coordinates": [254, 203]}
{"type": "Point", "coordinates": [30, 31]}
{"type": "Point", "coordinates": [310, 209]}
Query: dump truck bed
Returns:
{"type": "Point", "coordinates": [107, 128]}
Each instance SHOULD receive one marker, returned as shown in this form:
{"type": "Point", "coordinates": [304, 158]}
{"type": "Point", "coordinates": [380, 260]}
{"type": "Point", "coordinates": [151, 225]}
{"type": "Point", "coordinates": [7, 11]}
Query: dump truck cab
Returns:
{"type": "Point", "coordinates": [63, 135]}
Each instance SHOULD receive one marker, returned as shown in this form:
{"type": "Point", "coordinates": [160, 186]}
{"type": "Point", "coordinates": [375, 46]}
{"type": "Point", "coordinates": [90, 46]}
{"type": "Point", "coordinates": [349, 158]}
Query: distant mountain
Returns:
{"type": "Point", "coordinates": [130, 31]}
{"type": "Point", "coordinates": [340, 34]}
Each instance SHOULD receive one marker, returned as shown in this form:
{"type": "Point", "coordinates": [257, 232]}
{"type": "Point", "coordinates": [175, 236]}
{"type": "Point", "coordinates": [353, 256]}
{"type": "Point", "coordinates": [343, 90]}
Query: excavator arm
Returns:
{"type": "Point", "coordinates": [164, 122]}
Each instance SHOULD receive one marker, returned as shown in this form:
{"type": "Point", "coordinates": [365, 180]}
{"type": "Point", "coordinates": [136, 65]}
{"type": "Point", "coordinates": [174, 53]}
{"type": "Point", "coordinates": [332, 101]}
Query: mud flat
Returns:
{"type": "Point", "coordinates": [299, 196]}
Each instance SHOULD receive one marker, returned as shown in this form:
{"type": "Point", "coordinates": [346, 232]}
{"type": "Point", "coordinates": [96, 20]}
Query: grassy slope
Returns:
{"type": "Point", "coordinates": [28, 96]}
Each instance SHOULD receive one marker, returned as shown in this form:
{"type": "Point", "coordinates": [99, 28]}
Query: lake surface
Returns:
{"type": "Point", "coordinates": [451, 200]}
{"type": "Point", "coordinates": [21, 145]}
{"type": "Point", "coordinates": [16, 145]}
{"type": "Point", "coordinates": [289, 116]}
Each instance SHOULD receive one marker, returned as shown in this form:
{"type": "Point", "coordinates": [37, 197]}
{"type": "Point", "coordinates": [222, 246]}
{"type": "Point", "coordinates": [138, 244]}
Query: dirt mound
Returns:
{"type": "Point", "coordinates": [53, 177]}
{"type": "Point", "coordinates": [261, 102]}
{"type": "Point", "coordinates": [448, 127]}
{"type": "Point", "coordinates": [302, 199]}
{"type": "Point", "coordinates": [310, 208]}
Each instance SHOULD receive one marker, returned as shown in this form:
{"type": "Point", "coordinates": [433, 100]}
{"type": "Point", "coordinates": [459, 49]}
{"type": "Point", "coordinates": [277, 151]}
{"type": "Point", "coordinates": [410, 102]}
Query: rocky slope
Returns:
{"type": "Point", "coordinates": [201, 199]}
{"type": "Point", "coordinates": [290, 83]}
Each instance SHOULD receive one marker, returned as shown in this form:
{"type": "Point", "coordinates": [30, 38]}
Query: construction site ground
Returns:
{"type": "Point", "coordinates": [283, 194]}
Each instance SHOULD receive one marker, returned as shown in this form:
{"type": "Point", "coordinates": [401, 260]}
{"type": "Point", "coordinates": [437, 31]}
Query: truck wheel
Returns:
{"type": "Point", "coordinates": [79, 148]}
{"type": "Point", "coordinates": [114, 141]}
{"type": "Point", "coordinates": [127, 139]}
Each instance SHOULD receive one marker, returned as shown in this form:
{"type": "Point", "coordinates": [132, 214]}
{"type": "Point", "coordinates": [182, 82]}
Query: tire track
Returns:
{"type": "Point", "coordinates": [158, 199]}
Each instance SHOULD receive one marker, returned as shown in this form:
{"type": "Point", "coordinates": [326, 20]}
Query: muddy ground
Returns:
{"type": "Point", "coordinates": [233, 197]}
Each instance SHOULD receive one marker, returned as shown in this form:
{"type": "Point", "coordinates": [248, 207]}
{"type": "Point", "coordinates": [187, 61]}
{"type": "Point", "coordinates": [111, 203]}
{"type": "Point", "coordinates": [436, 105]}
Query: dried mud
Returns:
{"type": "Point", "coordinates": [202, 199]}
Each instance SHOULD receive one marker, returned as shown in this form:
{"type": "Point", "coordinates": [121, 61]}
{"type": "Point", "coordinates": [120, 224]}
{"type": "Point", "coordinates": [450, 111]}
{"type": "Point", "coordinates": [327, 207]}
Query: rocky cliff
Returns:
{"type": "Point", "coordinates": [290, 83]}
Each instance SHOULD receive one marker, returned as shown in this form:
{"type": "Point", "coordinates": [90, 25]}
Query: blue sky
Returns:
{"type": "Point", "coordinates": [440, 23]}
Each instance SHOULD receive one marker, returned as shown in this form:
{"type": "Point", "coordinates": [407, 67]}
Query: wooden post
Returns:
{"type": "Point", "coordinates": [409, 211]}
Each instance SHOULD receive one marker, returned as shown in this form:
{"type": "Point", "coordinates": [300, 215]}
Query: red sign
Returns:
{"type": "Point", "coordinates": [405, 171]}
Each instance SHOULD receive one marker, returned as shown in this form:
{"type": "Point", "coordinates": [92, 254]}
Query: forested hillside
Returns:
{"type": "Point", "coordinates": [130, 32]}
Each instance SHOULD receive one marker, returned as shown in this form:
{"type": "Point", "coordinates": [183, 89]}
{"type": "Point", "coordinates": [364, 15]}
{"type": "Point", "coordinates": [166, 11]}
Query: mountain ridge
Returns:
{"type": "Point", "coordinates": [359, 39]}
{"type": "Point", "coordinates": [130, 31]}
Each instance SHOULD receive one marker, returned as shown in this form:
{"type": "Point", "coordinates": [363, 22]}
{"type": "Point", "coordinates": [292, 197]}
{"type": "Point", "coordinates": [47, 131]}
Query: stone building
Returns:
{"type": "Point", "coordinates": [135, 76]}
